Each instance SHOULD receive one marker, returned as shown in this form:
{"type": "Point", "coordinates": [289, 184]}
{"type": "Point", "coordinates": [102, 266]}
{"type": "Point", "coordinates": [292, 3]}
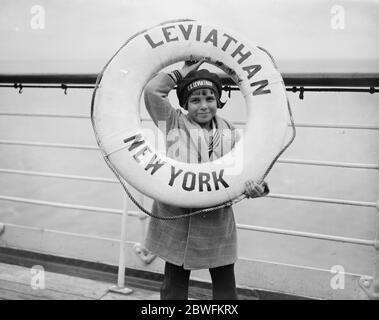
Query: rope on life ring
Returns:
{"type": "Point", "coordinates": [116, 122]}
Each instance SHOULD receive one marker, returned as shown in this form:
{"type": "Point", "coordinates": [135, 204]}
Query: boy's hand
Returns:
{"type": "Point", "coordinates": [255, 190]}
{"type": "Point", "coordinates": [189, 66]}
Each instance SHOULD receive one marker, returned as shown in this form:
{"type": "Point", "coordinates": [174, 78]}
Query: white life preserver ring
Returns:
{"type": "Point", "coordinates": [117, 124]}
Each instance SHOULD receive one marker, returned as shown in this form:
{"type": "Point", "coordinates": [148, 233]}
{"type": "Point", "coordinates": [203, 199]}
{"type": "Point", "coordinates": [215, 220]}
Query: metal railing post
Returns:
{"type": "Point", "coordinates": [145, 255]}
{"type": "Point", "coordinates": [370, 285]}
{"type": "Point", "coordinates": [120, 288]}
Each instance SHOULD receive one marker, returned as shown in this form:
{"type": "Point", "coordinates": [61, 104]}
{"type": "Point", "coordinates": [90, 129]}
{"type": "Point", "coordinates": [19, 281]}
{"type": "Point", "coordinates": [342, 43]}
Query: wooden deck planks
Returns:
{"type": "Point", "coordinates": [15, 284]}
{"type": "Point", "coordinates": [16, 289]}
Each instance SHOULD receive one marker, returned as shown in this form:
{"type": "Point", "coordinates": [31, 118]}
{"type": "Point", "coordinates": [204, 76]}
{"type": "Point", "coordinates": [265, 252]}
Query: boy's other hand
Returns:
{"type": "Point", "coordinates": [255, 190]}
{"type": "Point", "coordinates": [189, 66]}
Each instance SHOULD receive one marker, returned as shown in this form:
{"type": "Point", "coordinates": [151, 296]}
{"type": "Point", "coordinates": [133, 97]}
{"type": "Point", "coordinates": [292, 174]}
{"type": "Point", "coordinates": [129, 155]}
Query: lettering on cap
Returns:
{"type": "Point", "coordinates": [199, 83]}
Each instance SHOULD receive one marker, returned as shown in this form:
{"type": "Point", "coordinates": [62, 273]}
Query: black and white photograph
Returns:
{"type": "Point", "coordinates": [213, 153]}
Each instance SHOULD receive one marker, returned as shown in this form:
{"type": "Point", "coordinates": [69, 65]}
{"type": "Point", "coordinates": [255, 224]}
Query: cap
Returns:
{"type": "Point", "coordinates": [198, 79]}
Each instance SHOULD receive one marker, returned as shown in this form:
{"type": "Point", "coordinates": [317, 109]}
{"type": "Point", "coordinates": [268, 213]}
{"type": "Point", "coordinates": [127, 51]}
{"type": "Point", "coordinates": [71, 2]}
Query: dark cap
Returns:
{"type": "Point", "coordinates": [195, 80]}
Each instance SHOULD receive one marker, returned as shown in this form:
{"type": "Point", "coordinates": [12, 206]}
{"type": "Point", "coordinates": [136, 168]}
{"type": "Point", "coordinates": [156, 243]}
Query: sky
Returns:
{"type": "Point", "coordinates": [81, 35]}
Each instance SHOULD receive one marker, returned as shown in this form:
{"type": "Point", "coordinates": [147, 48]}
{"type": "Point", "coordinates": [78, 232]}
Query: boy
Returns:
{"type": "Point", "coordinates": [205, 241]}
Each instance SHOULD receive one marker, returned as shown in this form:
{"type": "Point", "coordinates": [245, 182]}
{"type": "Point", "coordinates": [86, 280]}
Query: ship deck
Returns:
{"type": "Point", "coordinates": [15, 284]}
{"type": "Point", "coordinates": [71, 279]}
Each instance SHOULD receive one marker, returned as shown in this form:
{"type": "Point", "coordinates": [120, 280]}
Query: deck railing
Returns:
{"type": "Point", "coordinates": [294, 83]}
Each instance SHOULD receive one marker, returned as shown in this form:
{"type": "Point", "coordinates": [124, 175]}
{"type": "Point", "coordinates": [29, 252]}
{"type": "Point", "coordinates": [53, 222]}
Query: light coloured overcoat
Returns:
{"type": "Point", "coordinates": [201, 241]}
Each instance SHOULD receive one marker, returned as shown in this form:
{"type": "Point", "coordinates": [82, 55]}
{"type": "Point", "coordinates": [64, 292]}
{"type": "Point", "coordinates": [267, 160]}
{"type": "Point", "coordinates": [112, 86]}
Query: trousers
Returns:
{"type": "Point", "coordinates": [176, 282]}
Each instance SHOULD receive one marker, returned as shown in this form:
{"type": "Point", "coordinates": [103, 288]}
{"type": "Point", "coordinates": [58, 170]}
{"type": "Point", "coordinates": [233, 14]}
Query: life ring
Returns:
{"type": "Point", "coordinates": [117, 124]}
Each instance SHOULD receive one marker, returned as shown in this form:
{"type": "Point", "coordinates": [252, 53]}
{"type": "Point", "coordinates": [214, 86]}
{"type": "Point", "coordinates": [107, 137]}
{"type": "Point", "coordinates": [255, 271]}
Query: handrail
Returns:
{"type": "Point", "coordinates": [330, 164]}
{"type": "Point", "coordinates": [273, 195]}
{"type": "Point", "coordinates": [60, 176]}
{"type": "Point", "coordinates": [298, 124]}
{"type": "Point", "coordinates": [45, 115]}
{"type": "Point", "coordinates": [325, 125]}
{"type": "Point", "coordinates": [323, 200]}
{"type": "Point", "coordinates": [281, 160]}
{"type": "Point", "coordinates": [239, 226]}
{"type": "Point", "coordinates": [49, 145]}
{"type": "Point", "coordinates": [66, 205]}
{"type": "Point", "coordinates": [307, 235]}
{"type": "Point", "coordinates": [290, 79]}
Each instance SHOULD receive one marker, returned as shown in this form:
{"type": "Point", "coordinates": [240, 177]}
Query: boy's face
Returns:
{"type": "Point", "coordinates": [202, 106]}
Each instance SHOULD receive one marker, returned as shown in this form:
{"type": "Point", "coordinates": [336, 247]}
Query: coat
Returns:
{"type": "Point", "coordinates": [202, 241]}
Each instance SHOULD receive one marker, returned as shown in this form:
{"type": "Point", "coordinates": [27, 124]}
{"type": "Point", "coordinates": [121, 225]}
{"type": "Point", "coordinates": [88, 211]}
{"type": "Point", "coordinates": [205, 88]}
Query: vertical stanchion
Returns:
{"type": "Point", "coordinates": [370, 285]}
{"type": "Point", "coordinates": [120, 288]}
{"type": "Point", "coordinates": [142, 217]}
{"type": "Point", "coordinates": [375, 285]}
{"type": "Point", "coordinates": [145, 255]}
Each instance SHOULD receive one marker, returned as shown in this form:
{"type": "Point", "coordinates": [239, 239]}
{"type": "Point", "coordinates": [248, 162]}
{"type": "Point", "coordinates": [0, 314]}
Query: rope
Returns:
{"type": "Point", "coordinates": [286, 146]}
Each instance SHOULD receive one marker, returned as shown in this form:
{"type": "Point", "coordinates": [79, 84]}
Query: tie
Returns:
{"type": "Point", "coordinates": [213, 141]}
